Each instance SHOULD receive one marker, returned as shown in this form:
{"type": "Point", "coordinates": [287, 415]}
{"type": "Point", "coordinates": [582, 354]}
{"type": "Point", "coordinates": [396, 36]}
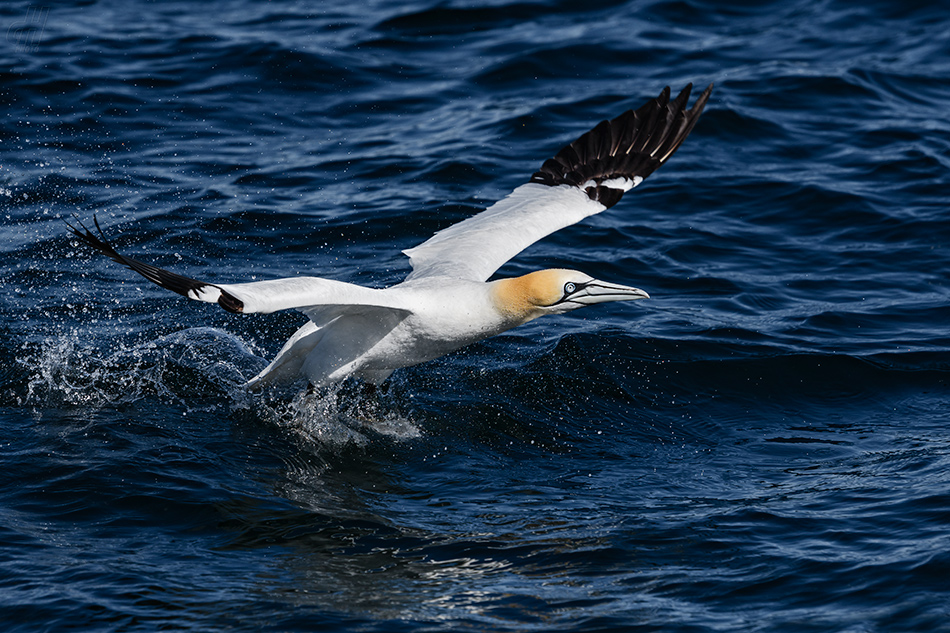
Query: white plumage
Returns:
{"type": "Point", "coordinates": [447, 302]}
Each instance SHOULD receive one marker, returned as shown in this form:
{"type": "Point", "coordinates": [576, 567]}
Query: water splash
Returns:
{"type": "Point", "coordinates": [337, 415]}
{"type": "Point", "coordinates": [184, 367]}
{"type": "Point", "coordinates": [198, 369]}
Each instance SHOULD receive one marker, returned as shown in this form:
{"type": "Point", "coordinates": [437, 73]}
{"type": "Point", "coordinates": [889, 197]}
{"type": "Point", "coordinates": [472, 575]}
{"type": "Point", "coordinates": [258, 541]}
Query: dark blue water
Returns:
{"type": "Point", "coordinates": [762, 446]}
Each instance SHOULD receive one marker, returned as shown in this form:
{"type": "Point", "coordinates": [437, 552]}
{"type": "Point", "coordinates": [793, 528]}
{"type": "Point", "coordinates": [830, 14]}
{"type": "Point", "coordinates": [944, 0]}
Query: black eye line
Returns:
{"type": "Point", "coordinates": [578, 286]}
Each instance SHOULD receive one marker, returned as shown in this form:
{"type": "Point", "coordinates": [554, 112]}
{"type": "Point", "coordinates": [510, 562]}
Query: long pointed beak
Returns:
{"type": "Point", "coordinates": [601, 291]}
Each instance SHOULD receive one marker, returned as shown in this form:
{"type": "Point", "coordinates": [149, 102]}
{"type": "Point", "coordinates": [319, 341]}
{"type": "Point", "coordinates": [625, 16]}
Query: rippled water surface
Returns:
{"type": "Point", "coordinates": [762, 446]}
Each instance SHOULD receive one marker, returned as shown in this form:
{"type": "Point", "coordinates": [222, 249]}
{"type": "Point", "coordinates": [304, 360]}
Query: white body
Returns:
{"type": "Point", "coordinates": [372, 342]}
{"type": "Point", "coordinates": [444, 305]}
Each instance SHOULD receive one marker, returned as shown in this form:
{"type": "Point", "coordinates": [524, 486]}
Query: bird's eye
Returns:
{"type": "Point", "coordinates": [569, 287]}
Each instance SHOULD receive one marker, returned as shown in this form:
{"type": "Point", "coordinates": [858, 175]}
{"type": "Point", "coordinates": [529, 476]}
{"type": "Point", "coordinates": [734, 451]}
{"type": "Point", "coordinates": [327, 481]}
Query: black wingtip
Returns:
{"type": "Point", "coordinates": [99, 243]}
{"type": "Point", "coordinates": [634, 144]}
{"type": "Point", "coordinates": [164, 278]}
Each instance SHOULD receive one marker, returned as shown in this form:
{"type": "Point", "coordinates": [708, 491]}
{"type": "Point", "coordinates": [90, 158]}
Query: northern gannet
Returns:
{"type": "Point", "coordinates": [447, 302]}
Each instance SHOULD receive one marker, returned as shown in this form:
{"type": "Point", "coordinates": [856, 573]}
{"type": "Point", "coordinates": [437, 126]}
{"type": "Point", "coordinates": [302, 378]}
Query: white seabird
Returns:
{"type": "Point", "coordinates": [447, 302]}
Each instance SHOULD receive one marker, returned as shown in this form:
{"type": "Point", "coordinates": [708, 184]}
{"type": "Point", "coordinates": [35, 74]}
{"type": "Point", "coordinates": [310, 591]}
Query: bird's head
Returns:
{"type": "Point", "coordinates": [555, 291]}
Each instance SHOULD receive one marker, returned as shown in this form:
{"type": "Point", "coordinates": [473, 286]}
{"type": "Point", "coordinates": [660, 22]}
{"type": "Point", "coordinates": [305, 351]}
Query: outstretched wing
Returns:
{"type": "Point", "coordinates": [314, 296]}
{"type": "Point", "coordinates": [586, 177]}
